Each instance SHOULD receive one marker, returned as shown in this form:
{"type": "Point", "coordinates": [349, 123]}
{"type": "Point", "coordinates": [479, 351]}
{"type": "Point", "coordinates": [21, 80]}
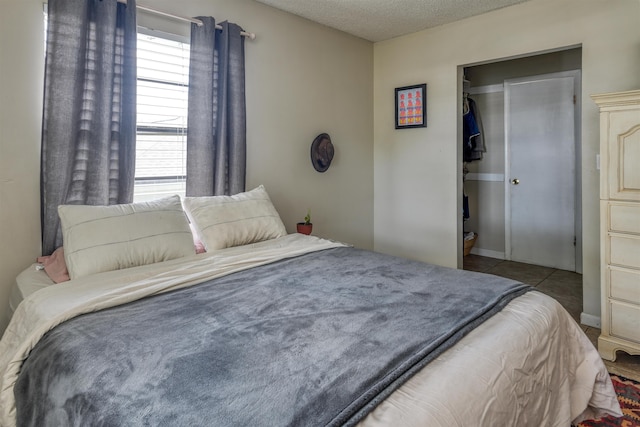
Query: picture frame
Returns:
{"type": "Point", "coordinates": [411, 106]}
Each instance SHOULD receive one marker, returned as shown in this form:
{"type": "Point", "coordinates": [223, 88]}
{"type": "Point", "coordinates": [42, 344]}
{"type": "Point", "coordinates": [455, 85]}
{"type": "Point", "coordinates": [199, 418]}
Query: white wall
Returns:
{"type": "Point", "coordinates": [417, 172]}
{"type": "Point", "coordinates": [302, 79]}
{"type": "Point", "coordinates": [21, 82]}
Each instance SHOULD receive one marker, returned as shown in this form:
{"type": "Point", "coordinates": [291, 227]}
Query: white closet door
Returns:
{"type": "Point", "coordinates": [540, 180]}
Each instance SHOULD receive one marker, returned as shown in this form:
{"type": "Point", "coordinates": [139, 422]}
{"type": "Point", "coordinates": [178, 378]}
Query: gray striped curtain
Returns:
{"type": "Point", "coordinates": [216, 139]}
{"type": "Point", "coordinates": [89, 122]}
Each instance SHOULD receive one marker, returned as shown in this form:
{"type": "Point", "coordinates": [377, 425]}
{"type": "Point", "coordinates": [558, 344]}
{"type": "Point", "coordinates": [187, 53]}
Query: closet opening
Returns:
{"type": "Point", "coordinates": [521, 160]}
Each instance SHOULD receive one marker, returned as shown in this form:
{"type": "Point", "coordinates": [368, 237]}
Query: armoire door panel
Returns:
{"type": "Point", "coordinates": [624, 173]}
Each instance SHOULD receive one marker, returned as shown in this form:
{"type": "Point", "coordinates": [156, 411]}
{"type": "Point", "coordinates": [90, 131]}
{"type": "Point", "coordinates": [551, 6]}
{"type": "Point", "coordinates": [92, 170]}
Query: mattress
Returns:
{"type": "Point", "coordinates": [30, 280]}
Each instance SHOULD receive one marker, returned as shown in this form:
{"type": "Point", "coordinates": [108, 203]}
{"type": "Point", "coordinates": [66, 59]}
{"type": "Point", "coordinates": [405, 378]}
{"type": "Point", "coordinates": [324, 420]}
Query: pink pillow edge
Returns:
{"type": "Point", "coordinates": [55, 266]}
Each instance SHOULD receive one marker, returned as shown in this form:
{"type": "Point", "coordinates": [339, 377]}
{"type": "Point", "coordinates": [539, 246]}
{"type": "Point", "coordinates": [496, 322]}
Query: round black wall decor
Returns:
{"type": "Point", "coordinates": [321, 152]}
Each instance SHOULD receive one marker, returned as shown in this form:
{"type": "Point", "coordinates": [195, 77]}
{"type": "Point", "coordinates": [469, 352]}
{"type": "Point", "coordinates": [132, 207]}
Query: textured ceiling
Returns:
{"type": "Point", "coordinates": [378, 20]}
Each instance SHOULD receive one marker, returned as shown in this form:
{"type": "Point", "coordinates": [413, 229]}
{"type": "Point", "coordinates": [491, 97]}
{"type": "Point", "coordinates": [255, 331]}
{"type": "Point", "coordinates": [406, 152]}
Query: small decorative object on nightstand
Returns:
{"type": "Point", "coordinates": [306, 226]}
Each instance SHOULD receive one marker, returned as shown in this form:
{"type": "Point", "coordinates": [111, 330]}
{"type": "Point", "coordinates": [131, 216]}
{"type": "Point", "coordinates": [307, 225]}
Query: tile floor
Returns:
{"type": "Point", "coordinates": [565, 287]}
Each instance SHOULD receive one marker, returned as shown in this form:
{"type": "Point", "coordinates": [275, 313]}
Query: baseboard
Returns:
{"type": "Point", "coordinates": [590, 320]}
{"type": "Point", "coordinates": [488, 253]}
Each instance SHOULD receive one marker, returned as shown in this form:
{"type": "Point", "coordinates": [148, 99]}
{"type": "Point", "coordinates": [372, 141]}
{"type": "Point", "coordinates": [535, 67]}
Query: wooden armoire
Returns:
{"type": "Point", "coordinates": [619, 222]}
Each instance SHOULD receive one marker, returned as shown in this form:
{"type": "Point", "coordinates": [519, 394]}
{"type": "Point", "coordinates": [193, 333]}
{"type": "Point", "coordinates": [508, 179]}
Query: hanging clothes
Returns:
{"type": "Point", "coordinates": [465, 198]}
{"type": "Point", "coordinates": [472, 131]}
{"type": "Point", "coordinates": [465, 207]}
{"type": "Point", "coordinates": [478, 140]}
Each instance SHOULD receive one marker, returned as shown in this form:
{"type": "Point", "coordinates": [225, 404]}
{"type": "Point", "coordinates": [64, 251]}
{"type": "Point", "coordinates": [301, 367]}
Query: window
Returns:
{"type": "Point", "coordinates": [161, 140]}
{"type": "Point", "coordinates": [162, 93]}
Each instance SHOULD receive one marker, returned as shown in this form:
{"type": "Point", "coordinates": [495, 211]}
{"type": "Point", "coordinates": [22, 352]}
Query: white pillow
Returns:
{"type": "Point", "coordinates": [104, 238]}
{"type": "Point", "coordinates": [226, 221]}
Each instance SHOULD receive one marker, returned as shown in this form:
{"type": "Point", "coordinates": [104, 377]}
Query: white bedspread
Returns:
{"type": "Point", "coordinates": [528, 365]}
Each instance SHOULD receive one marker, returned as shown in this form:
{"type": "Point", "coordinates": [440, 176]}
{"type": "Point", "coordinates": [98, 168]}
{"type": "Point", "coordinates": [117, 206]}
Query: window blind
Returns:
{"type": "Point", "coordinates": [162, 90]}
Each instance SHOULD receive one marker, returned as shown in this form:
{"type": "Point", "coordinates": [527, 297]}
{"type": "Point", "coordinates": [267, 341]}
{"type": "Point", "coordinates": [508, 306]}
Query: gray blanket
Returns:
{"type": "Point", "coordinates": [319, 339]}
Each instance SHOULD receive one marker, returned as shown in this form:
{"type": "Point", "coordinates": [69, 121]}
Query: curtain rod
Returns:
{"type": "Point", "coordinates": [198, 22]}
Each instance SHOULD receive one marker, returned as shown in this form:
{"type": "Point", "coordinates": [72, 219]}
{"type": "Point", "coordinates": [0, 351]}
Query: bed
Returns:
{"type": "Point", "coordinates": [27, 282]}
{"type": "Point", "coordinates": [286, 330]}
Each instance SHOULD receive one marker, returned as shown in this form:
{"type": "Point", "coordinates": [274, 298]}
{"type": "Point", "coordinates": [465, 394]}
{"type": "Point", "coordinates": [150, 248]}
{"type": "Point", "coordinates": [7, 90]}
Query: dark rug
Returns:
{"type": "Point", "coordinates": [628, 392]}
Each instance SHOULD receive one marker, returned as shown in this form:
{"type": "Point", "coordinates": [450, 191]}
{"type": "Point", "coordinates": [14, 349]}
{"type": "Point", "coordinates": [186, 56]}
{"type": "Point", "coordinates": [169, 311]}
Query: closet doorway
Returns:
{"type": "Point", "coordinates": [501, 212]}
{"type": "Point", "coordinates": [540, 184]}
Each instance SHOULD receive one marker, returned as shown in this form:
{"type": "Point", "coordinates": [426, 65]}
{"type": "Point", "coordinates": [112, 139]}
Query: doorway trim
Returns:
{"type": "Point", "coordinates": [577, 83]}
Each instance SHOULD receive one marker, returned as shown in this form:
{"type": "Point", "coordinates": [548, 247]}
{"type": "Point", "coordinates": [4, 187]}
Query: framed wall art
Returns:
{"type": "Point", "coordinates": [411, 106]}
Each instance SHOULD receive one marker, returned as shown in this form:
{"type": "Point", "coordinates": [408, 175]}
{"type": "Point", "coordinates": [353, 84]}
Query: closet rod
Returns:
{"type": "Point", "coordinates": [198, 22]}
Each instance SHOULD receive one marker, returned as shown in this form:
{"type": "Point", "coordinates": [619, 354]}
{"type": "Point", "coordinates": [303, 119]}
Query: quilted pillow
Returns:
{"type": "Point", "coordinates": [104, 238]}
{"type": "Point", "coordinates": [226, 221]}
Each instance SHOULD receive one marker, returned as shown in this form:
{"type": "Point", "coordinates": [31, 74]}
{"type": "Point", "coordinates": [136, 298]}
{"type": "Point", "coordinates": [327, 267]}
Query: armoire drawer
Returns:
{"type": "Point", "coordinates": [624, 217]}
{"type": "Point", "coordinates": [624, 250]}
{"type": "Point", "coordinates": [625, 321]}
{"type": "Point", "coordinates": [624, 285]}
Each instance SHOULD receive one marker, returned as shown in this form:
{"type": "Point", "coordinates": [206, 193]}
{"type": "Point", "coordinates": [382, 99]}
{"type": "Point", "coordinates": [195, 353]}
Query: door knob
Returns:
{"type": "Point", "coordinates": [515, 181]}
